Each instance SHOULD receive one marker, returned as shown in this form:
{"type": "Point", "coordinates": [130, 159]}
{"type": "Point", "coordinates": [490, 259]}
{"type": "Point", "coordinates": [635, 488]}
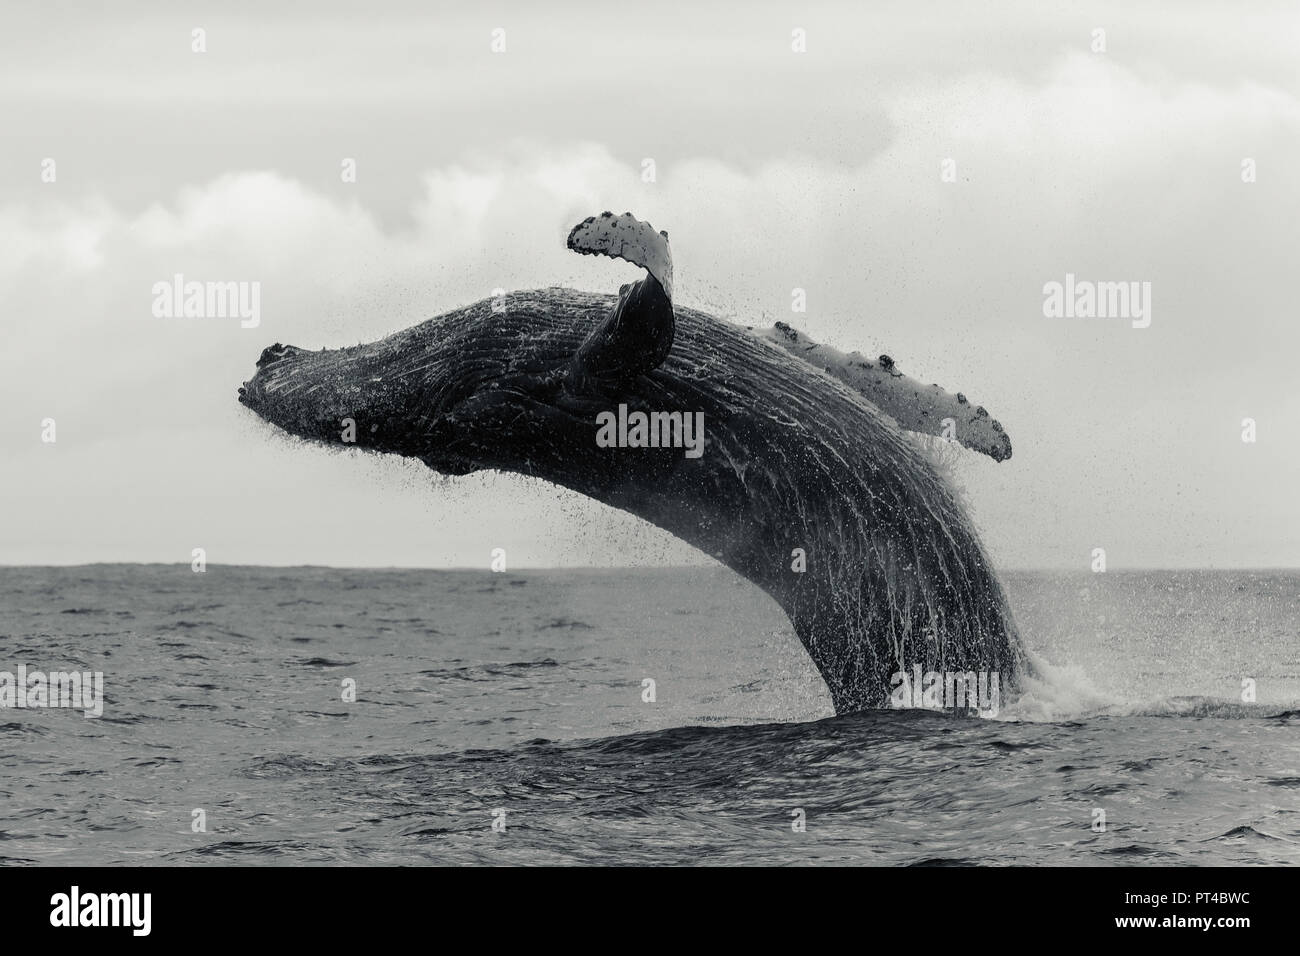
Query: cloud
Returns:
{"type": "Point", "coordinates": [1125, 439]}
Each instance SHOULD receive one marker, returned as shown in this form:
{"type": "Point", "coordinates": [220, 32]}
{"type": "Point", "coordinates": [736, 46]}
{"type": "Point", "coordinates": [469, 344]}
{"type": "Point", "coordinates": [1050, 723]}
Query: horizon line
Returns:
{"type": "Point", "coordinates": [611, 567]}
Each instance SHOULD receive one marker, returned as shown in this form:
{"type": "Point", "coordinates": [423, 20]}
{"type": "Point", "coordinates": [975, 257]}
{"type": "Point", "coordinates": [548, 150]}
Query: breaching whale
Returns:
{"type": "Point", "coordinates": [807, 484]}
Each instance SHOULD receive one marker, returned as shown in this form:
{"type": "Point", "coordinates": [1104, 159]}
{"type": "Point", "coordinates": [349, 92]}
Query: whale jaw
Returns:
{"type": "Point", "coordinates": [411, 394]}
{"type": "Point", "coordinates": [336, 396]}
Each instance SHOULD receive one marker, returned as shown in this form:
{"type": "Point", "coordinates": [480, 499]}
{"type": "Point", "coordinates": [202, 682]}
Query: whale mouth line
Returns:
{"type": "Point", "coordinates": [807, 483]}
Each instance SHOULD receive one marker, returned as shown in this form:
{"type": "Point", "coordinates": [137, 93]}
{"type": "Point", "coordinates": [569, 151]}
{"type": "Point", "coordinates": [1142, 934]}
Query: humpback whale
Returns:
{"type": "Point", "coordinates": [808, 485]}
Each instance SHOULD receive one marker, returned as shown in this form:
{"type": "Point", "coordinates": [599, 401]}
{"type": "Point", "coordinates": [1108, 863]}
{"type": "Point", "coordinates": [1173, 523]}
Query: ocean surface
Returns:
{"type": "Point", "coordinates": [517, 699]}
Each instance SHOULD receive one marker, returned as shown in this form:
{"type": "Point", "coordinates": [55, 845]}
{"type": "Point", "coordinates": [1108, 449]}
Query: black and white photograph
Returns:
{"type": "Point", "coordinates": [673, 435]}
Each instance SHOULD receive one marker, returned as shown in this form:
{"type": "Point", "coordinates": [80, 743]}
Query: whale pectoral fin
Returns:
{"type": "Point", "coordinates": [915, 406]}
{"type": "Point", "coordinates": [638, 334]}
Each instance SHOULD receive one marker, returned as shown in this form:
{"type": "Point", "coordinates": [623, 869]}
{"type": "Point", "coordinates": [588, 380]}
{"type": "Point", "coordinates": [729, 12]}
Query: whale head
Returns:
{"type": "Point", "coordinates": [455, 391]}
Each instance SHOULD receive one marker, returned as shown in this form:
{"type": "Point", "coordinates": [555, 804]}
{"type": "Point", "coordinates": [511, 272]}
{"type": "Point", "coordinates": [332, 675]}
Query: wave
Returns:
{"type": "Point", "coordinates": [1055, 694]}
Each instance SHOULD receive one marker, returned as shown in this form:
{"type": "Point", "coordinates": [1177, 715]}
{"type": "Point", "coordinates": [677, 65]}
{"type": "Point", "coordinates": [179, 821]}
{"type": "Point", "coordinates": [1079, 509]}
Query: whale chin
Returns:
{"type": "Point", "coordinates": [803, 484]}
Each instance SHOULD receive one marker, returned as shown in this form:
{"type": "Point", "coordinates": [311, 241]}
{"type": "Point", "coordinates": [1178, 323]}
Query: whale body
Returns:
{"type": "Point", "coordinates": [805, 486]}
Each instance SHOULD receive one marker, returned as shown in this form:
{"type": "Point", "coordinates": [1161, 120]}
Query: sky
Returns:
{"type": "Point", "coordinates": [820, 170]}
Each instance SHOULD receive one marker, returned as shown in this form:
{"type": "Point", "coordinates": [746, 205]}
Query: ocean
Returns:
{"type": "Point", "coordinates": [256, 715]}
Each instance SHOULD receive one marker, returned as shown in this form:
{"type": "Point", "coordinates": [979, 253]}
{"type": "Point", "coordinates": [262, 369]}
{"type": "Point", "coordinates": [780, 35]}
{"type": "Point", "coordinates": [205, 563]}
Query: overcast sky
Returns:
{"type": "Point", "coordinates": [775, 170]}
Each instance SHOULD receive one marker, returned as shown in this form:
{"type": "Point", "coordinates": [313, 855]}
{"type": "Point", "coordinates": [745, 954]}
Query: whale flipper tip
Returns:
{"type": "Point", "coordinates": [626, 237]}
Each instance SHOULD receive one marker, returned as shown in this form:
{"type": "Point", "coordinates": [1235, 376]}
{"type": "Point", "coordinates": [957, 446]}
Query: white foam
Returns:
{"type": "Point", "coordinates": [1055, 693]}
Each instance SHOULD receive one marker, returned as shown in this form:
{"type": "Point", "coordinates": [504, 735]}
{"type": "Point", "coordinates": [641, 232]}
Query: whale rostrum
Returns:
{"type": "Point", "coordinates": [807, 484]}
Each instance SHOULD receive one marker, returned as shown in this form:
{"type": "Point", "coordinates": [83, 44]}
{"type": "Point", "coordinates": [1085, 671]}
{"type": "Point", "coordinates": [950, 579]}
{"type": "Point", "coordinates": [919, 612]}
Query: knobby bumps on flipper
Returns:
{"type": "Point", "coordinates": [917, 407]}
{"type": "Point", "coordinates": [626, 237]}
{"type": "Point", "coordinates": [638, 334]}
